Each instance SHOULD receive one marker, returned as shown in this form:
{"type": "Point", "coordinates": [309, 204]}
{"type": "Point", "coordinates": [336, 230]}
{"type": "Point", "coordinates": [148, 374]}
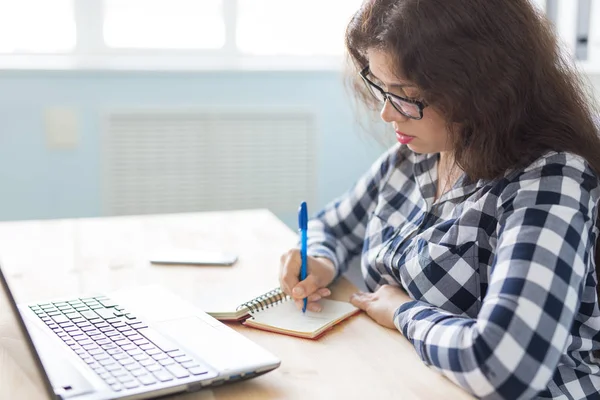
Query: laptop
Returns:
{"type": "Point", "coordinates": [135, 344]}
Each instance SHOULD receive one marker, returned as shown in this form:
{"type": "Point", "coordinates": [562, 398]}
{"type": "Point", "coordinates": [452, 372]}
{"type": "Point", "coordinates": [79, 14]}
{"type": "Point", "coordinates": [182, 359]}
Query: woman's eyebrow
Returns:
{"type": "Point", "coordinates": [394, 85]}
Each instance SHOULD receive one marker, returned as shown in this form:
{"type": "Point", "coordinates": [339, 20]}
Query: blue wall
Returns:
{"type": "Point", "coordinates": [37, 182]}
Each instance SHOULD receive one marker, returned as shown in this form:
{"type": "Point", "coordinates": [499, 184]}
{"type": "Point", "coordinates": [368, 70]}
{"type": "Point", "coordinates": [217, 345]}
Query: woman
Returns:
{"type": "Point", "coordinates": [477, 231]}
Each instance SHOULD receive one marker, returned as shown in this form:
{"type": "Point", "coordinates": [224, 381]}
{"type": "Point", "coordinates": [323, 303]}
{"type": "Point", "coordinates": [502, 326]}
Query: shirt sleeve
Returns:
{"type": "Point", "coordinates": [545, 241]}
{"type": "Point", "coordinates": [338, 231]}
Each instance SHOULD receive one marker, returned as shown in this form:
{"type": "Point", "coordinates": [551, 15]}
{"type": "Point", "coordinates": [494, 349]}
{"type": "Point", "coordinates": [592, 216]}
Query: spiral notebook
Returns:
{"type": "Point", "coordinates": [275, 311]}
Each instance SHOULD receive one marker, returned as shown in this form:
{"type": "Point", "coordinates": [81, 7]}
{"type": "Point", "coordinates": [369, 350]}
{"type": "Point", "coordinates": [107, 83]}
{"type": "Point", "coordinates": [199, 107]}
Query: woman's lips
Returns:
{"type": "Point", "coordinates": [403, 138]}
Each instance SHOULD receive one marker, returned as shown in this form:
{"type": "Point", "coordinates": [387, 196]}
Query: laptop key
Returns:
{"type": "Point", "coordinates": [160, 356]}
{"type": "Point", "coordinates": [147, 363]}
{"type": "Point", "coordinates": [88, 328]}
{"type": "Point", "coordinates": [131, 385]}
{"type": "Point", "coordinates": [113, 368]}
{"type": "Point", "coordinates": [132, 367]}
{"type": "Point", "coordinates": [166, 361]}
{"type": "Point", "coordinates": [116, 387]}
{"type": "Point", "coordinates": [60, 318]}
{"type": "Point", "coordinates": [71, 328]}
{"type": "Point", "coordinates": [138, 372]}
{"type": "Point", "coordinates": [107, 303]}
{"type": "Point", "coordinates": [89, 315]}
{"type": "Point", "coordinates": [125, 378]}
{"type": "Point", "coordinates": [108, 362]}
{"type": "Point", "coordinates": [101, 357]}
{"type": "Point", "coordinates": [140, 357]}
{"type": "Point", "coordinates": [177, 371]}
{"type": "Point", "coordinates": [126, 361]}
{"type": "Point", "coordinates": [146, 379]}
{"type": "Point", "coordinates": [182, 359]}
{"type": "Point", "coordinates": [105, 313]}
{"type": "Point", "coordinates": [197, 370]}
{"type": "Point", "coordinates": [189, 364]}
{"type": "Point", "coordinates": [163, 375]}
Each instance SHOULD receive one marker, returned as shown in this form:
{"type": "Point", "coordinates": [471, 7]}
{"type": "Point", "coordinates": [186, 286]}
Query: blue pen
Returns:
{"type": "Point", "coordinates": [303, 224]}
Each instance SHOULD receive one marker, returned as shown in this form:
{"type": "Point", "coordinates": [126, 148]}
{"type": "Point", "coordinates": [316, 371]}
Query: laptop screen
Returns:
{"type": "Point", "coordinates": [24, 372]}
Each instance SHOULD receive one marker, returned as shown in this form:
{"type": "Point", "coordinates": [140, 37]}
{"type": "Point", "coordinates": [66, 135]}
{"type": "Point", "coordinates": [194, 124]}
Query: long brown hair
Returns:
{"type": "Point", "coordinates": [492, 67]}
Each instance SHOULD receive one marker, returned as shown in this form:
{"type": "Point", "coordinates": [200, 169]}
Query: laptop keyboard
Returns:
{"type": "Point", "coordinates": [120, 348]}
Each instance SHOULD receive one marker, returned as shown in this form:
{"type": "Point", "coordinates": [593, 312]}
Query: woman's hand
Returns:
{"type": "Point", "coordinates": [382, 304]}
{"type": "Point", "coordinates": [320, 273]}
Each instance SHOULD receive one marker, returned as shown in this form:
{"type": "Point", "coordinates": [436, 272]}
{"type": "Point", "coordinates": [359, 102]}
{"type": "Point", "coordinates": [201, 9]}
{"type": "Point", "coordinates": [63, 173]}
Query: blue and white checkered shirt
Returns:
{"type": "Point", "coordinates": [501, 272]}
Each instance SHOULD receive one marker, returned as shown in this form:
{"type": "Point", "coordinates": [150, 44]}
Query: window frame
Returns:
{"type": "Point", "coordinates": [91, 53]}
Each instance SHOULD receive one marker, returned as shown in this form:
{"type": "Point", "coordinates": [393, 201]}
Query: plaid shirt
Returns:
{"type": "Point", "coordinates": [501, 272]}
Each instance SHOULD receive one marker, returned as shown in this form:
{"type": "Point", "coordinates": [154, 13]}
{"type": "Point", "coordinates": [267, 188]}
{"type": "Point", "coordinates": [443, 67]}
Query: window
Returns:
{"type": "Point", "coordinates": [283, 27]}
{"type": "Point", "coordinates": [164, 24]}
{"type": "Point", "coordinates": [37, 26]}
{"type": "Point", "coordinates": [215, 34]}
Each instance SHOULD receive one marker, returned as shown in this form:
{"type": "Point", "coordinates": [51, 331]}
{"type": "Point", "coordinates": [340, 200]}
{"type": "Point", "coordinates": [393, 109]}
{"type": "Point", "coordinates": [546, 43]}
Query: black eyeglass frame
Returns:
{"type": "Point", "coordinates": [387, 96]}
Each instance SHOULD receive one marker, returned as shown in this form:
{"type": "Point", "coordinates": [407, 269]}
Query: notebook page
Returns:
{"type": "Point", "coordinates": [286, 316]}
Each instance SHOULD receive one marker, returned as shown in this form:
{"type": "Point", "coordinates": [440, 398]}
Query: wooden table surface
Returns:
{"type": "Point", "coordinates": [356, 359]}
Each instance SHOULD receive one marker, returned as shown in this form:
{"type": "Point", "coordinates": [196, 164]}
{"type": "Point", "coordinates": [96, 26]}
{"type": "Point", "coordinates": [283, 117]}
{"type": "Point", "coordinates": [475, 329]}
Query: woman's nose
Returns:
{"type": "Point", "coordinates": [390, 114]}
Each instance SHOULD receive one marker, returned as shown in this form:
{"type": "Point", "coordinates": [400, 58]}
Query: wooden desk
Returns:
{"type": "Point", "coordinates": [357, 359]}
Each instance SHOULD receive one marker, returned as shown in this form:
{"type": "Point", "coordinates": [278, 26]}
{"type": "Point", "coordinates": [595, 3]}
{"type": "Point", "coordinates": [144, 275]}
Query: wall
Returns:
{"type": "Point", "coordinates": [38, 182]}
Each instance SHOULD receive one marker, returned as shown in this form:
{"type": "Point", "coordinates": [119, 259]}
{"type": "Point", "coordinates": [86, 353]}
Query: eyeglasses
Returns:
{"type": "Point", "coordinates": [409, 108]}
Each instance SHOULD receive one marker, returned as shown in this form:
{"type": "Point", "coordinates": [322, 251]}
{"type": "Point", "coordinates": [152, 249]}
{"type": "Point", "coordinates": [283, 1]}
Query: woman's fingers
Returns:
{"type": "Point", "coordinates": [290, 269]}
{"type": "Point", "coordinates": [311, 306]}
{"type": "Point", "coordinates": [360, 300]}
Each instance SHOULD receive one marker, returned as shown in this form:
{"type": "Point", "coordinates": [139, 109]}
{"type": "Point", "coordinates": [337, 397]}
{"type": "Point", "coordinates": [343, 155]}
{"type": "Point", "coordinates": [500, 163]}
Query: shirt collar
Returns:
{"type": "Point", "coordinates": [426, 176]}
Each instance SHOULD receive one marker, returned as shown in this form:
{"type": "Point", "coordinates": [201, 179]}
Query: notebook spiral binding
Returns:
{"type": "Point", "coordinates": [265, 300]}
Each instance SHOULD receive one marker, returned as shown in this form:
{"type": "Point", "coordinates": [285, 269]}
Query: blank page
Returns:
{"type": "Point", "coordinates": [287, 317]}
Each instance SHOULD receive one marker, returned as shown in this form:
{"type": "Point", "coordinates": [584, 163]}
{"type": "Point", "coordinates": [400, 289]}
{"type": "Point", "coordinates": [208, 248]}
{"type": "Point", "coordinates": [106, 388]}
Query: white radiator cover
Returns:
{"type": "Point", "coordinates": [182, 161]}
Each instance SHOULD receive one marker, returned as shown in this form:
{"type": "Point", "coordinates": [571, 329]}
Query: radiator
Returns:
{"type": "Point", "coordinates": [182, 161]}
